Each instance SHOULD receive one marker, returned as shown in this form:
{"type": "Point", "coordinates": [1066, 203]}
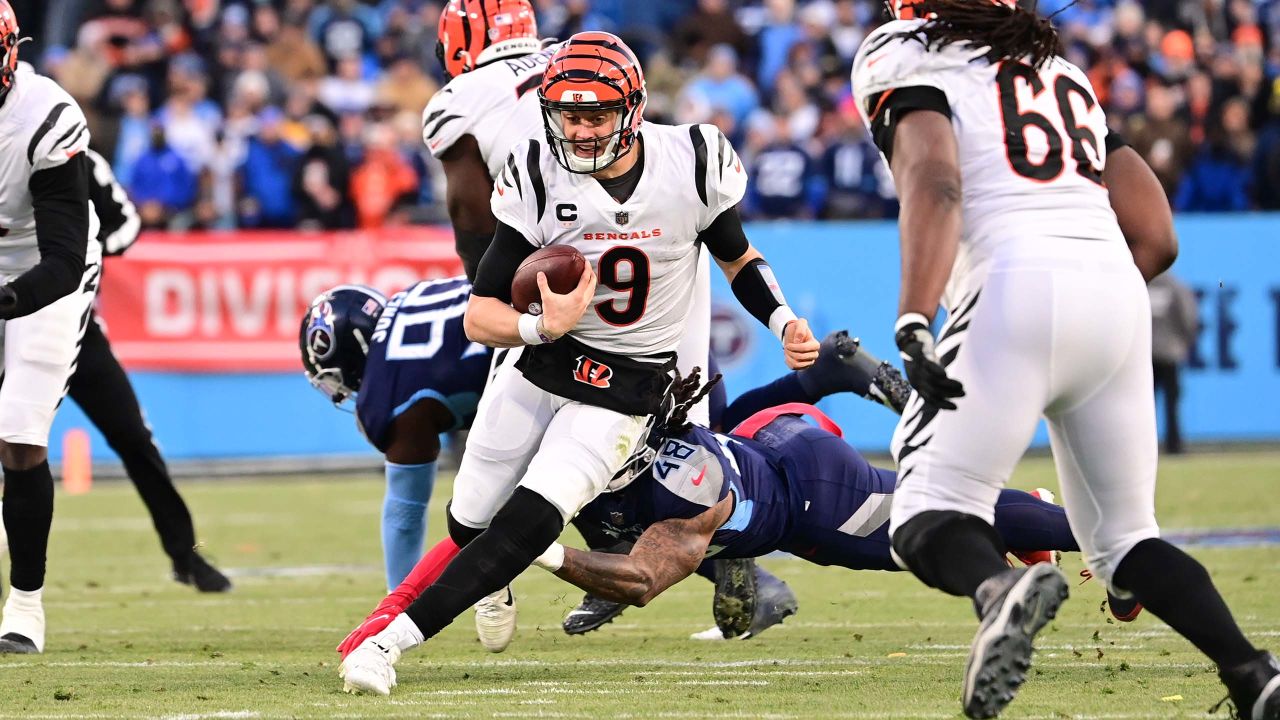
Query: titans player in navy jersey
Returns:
{"type": "Point", "coordinates": [776, 483]}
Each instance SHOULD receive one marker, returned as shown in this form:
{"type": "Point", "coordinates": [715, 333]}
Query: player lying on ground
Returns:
{"type": "Point", "coordinates": [776, 483]}
{"type": "Point", "coordinates": [414, 374]}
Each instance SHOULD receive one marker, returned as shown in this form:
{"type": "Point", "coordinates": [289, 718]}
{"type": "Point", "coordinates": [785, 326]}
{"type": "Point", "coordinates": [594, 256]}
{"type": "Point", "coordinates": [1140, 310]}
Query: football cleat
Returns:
{"type": "Point", "coordinates": [774, 603]}
{"type": "Point", "coordinates": [370, 668]}
{"type": "Point", "coordinates": [1032, 557]}
{"type": "Point", "coordinates": [1122, 609]}
{"type": "Point", "coordinates": [22, 628]}
{"type": "Point", "coordinates": [1014, 605]}
{"type": "Point", "coordinates": [496, 620]}
{"type": "Point", "coordinates": [194, 570]}
{"type": "Point", "coordinates": [1254, 688]}
{"type": "Point", "coordinates": [591, 614]}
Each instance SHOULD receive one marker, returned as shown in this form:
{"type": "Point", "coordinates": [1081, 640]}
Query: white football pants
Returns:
{"type": "Point", "coordinates": [38, 354]}
{"type": "Point", "coordinates": [695, 347]}
{"type": "Point", "coordinates": [524, 436]}
{"type": "Point", "coordinates": [1064, 332]}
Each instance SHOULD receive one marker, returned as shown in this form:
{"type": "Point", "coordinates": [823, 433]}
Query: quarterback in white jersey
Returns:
{"type": "Point", "coordinates": [998, 148]}
{"type": "Point", "coordinates": [554, 429]}
{"type": "Point", "coordinates": [49, 262]}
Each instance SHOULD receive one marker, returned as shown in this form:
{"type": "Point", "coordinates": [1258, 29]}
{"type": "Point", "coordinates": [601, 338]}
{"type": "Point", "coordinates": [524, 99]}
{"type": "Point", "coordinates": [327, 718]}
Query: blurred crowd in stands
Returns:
{"type": "Point", "coordinates": [306, 113]}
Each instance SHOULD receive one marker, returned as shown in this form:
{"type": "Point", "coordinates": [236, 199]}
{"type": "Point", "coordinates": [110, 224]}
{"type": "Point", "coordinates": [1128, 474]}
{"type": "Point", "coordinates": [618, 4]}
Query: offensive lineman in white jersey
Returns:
{"type": "Point", "coordinates": [996, 144]}
{"type": "Point", "coordinates": [49, 263]}
{"type": "Point", "coordinates": [554, 428]}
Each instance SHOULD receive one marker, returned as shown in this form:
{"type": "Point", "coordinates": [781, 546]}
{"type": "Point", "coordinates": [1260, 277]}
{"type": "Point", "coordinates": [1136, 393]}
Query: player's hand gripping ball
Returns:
{"type": "Point", "coordinates": [563, 266]}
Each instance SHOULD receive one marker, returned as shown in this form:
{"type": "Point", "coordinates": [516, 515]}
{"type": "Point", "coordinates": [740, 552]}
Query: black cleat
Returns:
{"type": "Point", "coordinates": [15, 644]}
{"type": "Point", "coordinates": [1122, 609]}
{"type": "Point", "coordinates": [196, 571]}
{"type": "Point", "coordinates": [888, 387]}
{"type": "Point", "coordinates": [775, 602]}
{"type": "Point", "coordinates": [734, 604]}
{"type": "Point", "coordinates": [1014, 606]}
{"type": "Point", "coordinates": [591, 614]}
{"type": "Point", "coordinates": [1254, 688]}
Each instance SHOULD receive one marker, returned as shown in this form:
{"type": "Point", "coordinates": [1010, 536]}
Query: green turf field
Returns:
{"type": "Point", "coordinates": [124, 641]}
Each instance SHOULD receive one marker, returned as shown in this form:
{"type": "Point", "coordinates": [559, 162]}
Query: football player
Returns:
{"type": "Point", "coordinates": [999, 150]}
{"type": "Point", "coordinates": [775, 483]}
{"type": "Point", "coordinates": [49, 264]}
{"type": "Point", "coordinates": [491, 52]}
{"type": "Point", "coordinates": [555, 426]}
{"type": "Point", "coordinates": [414, 374]}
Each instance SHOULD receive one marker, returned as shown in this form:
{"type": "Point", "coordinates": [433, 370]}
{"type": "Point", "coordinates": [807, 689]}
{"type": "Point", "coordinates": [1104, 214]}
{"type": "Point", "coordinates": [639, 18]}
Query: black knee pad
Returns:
{"type": "Point", "coordinates": [460, 534]}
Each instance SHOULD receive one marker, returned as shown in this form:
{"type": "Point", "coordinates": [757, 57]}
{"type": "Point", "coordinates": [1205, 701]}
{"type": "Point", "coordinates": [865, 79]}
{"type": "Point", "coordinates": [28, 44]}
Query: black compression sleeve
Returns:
{"type": "Point", "coordinates": [498, 266]}
{"type": "Point", "coordinates": [471, 247]}
{"type": "Point", "coordinates": [757, 290]}
{"type": "Point", "coordinates": [889, 107]}
{"type": "Point", "coordinates": [60, 200]}
{"type": "Point", "coordinates": [1115, 141]}
{"type": "Point", "coordinates": [724, 236]}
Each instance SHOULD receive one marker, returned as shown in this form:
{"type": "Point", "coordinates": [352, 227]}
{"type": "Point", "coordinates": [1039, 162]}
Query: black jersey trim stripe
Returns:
{"type": "Point", "coordinates": [440, 124]}
{"type": "Point", "coordinates": [515, 173]}
{"type": "Point", "coordinates": [427, 120]}
{"type": "Point", "coordinates": [721, 142]}
{"type": "Point", "coordinates": [484, 14]}
{"type": "Point", "coordinates": [68, 133]}
{"type": "Point", "coordinates": [44, 129]}
{"type": "Point", "coordinates": [83, 129]}
{"type": "Point", "coordinates": [533, 162]}
{"type": "Point", "coordinates": [699, 162]}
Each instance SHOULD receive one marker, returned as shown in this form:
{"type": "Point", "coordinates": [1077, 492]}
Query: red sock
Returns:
{"type": "Point", "coordinates": [424, 573]}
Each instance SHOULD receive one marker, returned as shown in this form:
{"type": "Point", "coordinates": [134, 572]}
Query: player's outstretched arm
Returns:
{"type": "Point", "coordinates": [667, 552]}
{"type": "Point", "coordinates": [756, 287]}
{"type": "Point", "coordinates": [1141, 209]}
{"type": "Point", "coordinates": [467, 185]}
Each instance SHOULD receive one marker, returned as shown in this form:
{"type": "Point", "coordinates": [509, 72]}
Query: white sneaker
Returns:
{"type": "Point", "coordinates": [22, 628]}
{"type": "Point", "coordinates": [496, 620]}
{"type": "Point", "coordinates": [711, 633]}
{"type": "Point", "coordinates": [370, 668]}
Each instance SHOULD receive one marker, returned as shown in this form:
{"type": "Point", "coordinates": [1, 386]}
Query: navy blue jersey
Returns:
{"type": "Point", "coordinates": [419, 351]}
{"type": "Point", "coordinates": [796, 488]}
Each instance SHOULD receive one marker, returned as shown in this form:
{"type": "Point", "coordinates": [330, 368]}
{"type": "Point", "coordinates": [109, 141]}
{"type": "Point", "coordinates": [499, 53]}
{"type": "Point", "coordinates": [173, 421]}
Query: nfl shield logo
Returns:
{"type": "Point", "coordinates": [622, 217]}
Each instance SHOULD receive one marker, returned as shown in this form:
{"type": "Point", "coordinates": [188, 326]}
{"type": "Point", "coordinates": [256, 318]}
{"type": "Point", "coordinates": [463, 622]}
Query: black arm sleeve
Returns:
{"type": "Point", "coordinates": [1115, 141]}
{"type": "Point", "coordinates": [118, 222]}
{"type": "Point", "coordinates": [60, 199]}
{"type": "Point", "coordinates": [724, 236]}
{"type": "Point", "coordinates": [889, 107]}
{"type": "Point", "coordinates": [498, 266]}
{"type": "Point", "coordinates": [471, 248]}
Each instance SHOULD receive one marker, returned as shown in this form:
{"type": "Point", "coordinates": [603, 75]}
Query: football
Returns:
{"type": "Point", "coordinates": [562, 264]}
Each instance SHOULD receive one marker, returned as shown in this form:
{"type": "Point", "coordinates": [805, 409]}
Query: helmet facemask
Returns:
{"type": "Point", "coordinates": [608, 149]}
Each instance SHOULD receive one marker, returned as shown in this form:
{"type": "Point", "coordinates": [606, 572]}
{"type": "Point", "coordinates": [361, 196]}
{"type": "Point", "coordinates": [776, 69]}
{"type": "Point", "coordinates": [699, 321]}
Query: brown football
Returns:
{"type": "Point", "coordinates": [562, 264]}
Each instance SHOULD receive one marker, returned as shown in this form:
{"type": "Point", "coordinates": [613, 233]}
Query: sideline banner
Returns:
{"type": "Point", "coordinates": [231, 302]}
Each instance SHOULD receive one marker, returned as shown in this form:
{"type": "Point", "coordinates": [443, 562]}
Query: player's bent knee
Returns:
{"type": "Point", "coordinates": [916, 543]}
{"type": "Point", "coordinates": [18, 456]}
{"type": "Point", "coordinates": [460, 534]}
{"type": "Point", "coordinates": [1124, 571]}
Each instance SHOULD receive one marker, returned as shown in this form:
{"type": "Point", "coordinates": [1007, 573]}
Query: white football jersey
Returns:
{"type": "Point", "coordinates": [1031, 142]}
{"type": "Point", "coordinates": [497, 104]}
{"type": "Point", "coordinates": [41, 127]}
{"type": "Point", "coordinates": [644, 250]}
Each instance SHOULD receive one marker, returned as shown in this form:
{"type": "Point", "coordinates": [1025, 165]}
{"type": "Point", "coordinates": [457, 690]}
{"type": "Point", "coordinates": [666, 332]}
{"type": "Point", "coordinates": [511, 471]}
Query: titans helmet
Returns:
{"type": "Point", "coordinates": [334, 338]}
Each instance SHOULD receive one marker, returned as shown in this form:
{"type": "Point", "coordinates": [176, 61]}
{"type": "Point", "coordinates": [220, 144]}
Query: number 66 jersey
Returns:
{"type": "Point", "coordinates": [1031, 141]}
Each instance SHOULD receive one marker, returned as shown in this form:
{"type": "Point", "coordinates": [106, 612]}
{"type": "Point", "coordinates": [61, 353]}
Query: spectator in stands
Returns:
{"type": "Point", "coordinates": [857, 184]}
{"type": "Point", "coordinates": [1218, 178]}
{"type": "Point", "coordinates": [266, 177]}
{"type": "Point", "coordinates": [293, 54]}
{"type": "Point", "coordinates": [562, 18]}
{"type": "Point", "coordinates": [190, 118]}
{"type": "Point", "coordinates": [1266, 158]}
{"type": "Point", "coordinates": [129, 94]}
{"type": "Point", "coordinates": [347, 91]}
{"type": "Point", "coordinates": [321, 184]}
{"type": "Point", "coordinates": [785, 184]}
{"type": "Point", "coordinates": [722, 87]}
{"type": "Point", "coordinates": [1161, 137]}
{"type": "Point", "coordinates": [711, 24]}
{"type": "Point", "coordinates": [344, 29]}
{"type": "Point", "coordinates": [776, 37]}
{"type": "Point", "coordinates": [404, 86]}
{"type": "Point", "coordinates": [162, 185]}
{"type": "Point", "coordinates": [383, 180]}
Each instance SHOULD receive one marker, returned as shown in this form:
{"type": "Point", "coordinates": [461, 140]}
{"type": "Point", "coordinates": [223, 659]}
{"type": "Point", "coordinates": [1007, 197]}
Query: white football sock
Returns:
{"type": "Point", "coordinates": [402, 632]}
{"type": "Point", "coordinates": [24, 615]}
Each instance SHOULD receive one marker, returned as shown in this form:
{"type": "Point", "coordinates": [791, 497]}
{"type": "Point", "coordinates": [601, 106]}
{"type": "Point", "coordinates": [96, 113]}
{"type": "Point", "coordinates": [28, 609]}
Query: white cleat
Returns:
{"type": "Point", "coordinates": [496, 620]}
{"type": "Point", "coordinates": [712, 633]}
{"type": "Point", "coordinates": [370, 668]}
{"type": "Point", "coordinates": [22, 628]}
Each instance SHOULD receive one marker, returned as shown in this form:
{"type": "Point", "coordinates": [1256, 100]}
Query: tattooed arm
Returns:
{"type": "Point", "coordinates": [667, 552]}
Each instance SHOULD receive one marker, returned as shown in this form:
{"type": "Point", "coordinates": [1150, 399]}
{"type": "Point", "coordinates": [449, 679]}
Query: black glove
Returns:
{"type": "Point", "coordinates": [8, 302]}
{"type": "Point", "coordinates": [924, 372]}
